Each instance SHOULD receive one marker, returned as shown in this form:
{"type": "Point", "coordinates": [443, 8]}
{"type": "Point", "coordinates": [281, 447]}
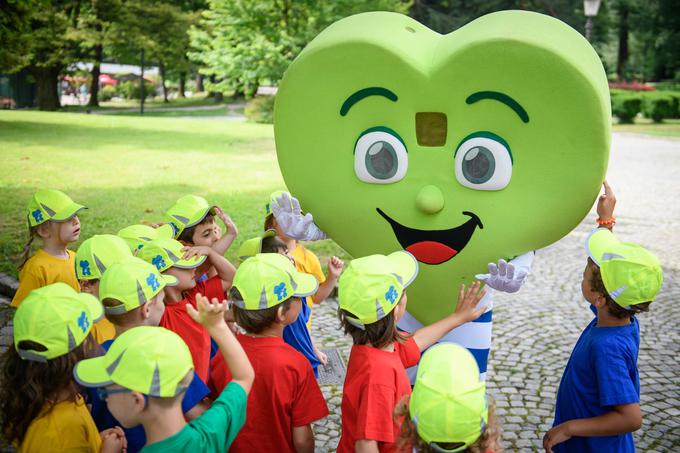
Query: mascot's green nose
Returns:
{"type": "Point", "coordinates": [430, 200]}
{"type": "Point", "coordinates": [431, 128]}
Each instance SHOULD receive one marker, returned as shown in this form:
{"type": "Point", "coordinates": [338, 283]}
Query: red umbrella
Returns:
{"type": "Point", "coordinates": [105, 79]}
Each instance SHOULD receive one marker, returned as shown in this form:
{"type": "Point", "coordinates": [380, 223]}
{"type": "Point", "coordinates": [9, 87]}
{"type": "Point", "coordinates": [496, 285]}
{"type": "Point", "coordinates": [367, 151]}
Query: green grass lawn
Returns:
{"type": "Point", "coordinates": [130, 170]}
{"type": "Point", "coordinates": [669, 128]}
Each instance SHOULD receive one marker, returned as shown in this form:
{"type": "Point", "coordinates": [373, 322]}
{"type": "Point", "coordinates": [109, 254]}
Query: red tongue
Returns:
{"type": "Point", "coordinates": [431, 252]}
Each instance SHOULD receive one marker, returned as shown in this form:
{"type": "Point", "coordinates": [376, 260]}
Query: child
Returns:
{"type": "Point", "coordinates": [305, 261]}
{"type": "Point", "coordinates": [372, 299]}
{"type": "Point", "coordinates": [137, 235]}
{"type": "Point", "coordinates": [295, 334]}
{"type": "Point", "coordinates": [132, 294]}
{"type": "Point", "coordinates": [40, 405]}
{"type": "Point", "coordinates": [598, 400]}
{"type": "Point", "coordinates": [286, 398]}
{"type": "Point", "coordinates": [52, 217]}
{"type": "Point", "coordinates": [171, 258]}
{"type": "Point", "coordinates": [193, 222]}
{"type": "Point", "coordinates": [448, 409]}
{"type": "Point", "coordinates": [144, 376]}
{"type": "Point", "coordinates": [92, 258]}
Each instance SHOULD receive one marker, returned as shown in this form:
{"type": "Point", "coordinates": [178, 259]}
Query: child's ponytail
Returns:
{"type": "Point", "coordinates": [26, 252]}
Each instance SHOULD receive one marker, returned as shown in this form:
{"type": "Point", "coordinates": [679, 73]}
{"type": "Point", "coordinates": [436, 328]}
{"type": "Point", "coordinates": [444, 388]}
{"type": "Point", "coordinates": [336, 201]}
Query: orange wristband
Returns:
{"type": "Point", "coordinates": [611, 221]}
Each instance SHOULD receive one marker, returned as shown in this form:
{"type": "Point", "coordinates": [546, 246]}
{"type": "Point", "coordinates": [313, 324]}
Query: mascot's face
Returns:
{"type": "Point", "coordinates": [462, 149]}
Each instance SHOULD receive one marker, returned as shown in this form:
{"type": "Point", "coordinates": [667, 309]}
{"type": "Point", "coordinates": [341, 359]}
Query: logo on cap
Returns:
{"type": "Point", "coordinates": [85, 266]}
{"type": "Point", "coordinates": [158, 262]}
{"type": "Point", "coordinates": [152, 281]}
{"type": "Point", "coordinates": [37, 215]}
{"type": "Point", "coordinates": [391, 295]}
{"type": "Point", "coordinates": [280, 291]}
{"type": "Point", "coordinates": [83, 322]}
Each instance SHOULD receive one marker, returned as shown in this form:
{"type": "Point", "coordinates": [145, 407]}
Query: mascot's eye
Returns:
{"type": "Point", "coordinates": [380, 156]}
{"type": "Point", "coordinates": [483, 162]}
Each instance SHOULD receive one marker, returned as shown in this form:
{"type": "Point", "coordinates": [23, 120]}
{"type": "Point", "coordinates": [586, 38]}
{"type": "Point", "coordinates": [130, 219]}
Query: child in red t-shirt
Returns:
{"type": "Point", "coordinates": [372, 300]}
{"type": "Point", "coordinates": [285, 398]}
{"type": "Point", "coordinates": [172, 258]}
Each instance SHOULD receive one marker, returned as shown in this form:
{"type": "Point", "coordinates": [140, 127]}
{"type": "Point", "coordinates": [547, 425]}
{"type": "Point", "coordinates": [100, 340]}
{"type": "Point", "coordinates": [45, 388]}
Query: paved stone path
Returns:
{"type": "Point", "coordinates": [535, 330]}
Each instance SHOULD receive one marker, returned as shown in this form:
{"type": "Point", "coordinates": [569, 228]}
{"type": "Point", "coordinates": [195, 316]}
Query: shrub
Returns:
{"type": "Point", "coordinates": [131, 89]}
{"type": "Point", "coordinates": [626, 107]}
{"type": "Point", "coordinates": [658, 106]}
{"type": "Point", "coordinates": [260, 109]}
{"type": "Point", "coordinates": [107, 92]}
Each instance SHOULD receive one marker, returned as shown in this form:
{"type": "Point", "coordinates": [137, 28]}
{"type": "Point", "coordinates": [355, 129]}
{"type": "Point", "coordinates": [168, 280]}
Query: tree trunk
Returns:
{"type": "Point", "coordinates": [182, 84]}
{"type": "Point", "coordinates": [217, 95]}
{"type": "Point", "coordinates": [622, 57]}
{"type": "Point", "coordinates": [161, 68]}
{"type": "Point", "coordinates": [96, 71]}
{"type": "Point", "coordinates": [199, 82]}
{"type": "Point", "coordinates": [47, 80]}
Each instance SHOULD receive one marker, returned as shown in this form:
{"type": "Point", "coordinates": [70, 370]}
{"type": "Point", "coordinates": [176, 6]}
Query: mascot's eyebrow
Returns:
{"type": "Point", "coordinates": [363, 93]}
{"type": "Point", "coordinates": [500, 97]}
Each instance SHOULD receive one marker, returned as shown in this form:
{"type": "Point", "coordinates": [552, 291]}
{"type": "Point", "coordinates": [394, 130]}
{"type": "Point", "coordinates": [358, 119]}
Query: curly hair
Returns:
{"type": "Point", "coordinates": [614, 309]}
{"type": "Point", "coordinates": [29, 388]}
{"type": "Point", "coordinates": [410, 441]}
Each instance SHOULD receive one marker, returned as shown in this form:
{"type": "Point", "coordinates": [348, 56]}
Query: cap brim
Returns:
{"type": "Point", "coordinates": [190, 264]}
{"type": "Point", "coordinates": [406, 266]}
{"type": "Point", "coordinates": [165, 231]}
{"type": "Point", "coordinates": [307, 284]}
{"type": "Point", "coordinates": [198, 219]}
{"type": "Point", "coordinates": [253, 246]}
{"type": "Point", "coordinates": [94, 305]}
{"type": "Point", "coordinates": [68, 212]}
{"type": "Point", "coordinates": [92, 372]}
{"type": "Point", "coordinates": [170, 280]}
{"type": "Point", "coordinates": [599, 241]}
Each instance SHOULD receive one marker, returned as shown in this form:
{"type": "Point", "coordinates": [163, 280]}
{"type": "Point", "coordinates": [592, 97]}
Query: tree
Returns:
{"type": "Point", "coordinates": [241, 44]}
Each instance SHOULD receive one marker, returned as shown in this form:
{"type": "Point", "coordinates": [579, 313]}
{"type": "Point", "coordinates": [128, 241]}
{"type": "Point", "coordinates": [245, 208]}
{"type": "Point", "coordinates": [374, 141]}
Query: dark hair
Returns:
{"type": "Point", "coordinates": [269, 222]}
{"type": "Point", "coordinates": [255, 321]}
{"type": "Point", "coordinates": [409, 439]}
{"type": "Point", "coordinates": [613, 308]}
{"type": "Point", "coordinates": [26, 252]}
{"type": "Point", "coordinates": [123, 319]}
{"type": "Point", "coordinates": [273, 245]}
{"type": "Point", "coordinates": [187, 234]}
{"type": "Point", "coordinates": [27, 388]}
{"type": "Point", "coordinates": [378, 334]}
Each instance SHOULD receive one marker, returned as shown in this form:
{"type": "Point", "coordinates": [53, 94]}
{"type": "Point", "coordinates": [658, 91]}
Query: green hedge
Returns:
{"type": "Point", "coordinates": [626, 106]}
{"type": "Point", "coordinates": [655, 105]}
{"type": "Point", "coordinates": [131, 89]}
{"type": "Point", "coordinates": [260, 109]}
{"type": "Point", "coordinates": [658, 106]}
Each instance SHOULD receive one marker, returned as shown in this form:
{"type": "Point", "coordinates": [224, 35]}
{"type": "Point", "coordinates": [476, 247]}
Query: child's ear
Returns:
{"type": "Point", "coordinates": [600, 301]}
{"type": "Point", "coordinates": [44, 230]}
{"type": "Point", "coordinates": [140, 401]}
{"type": "Point", "coordinates": [146, 310]}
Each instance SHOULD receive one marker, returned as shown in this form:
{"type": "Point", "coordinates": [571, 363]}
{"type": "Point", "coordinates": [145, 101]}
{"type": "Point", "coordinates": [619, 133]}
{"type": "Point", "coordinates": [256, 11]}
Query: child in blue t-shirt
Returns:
{"type": "Point", "coordinates": [598, 401]}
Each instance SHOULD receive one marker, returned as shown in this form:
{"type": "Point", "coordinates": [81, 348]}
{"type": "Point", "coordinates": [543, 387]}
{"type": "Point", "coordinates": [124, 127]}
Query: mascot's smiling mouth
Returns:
{"type": "Point", "coordinates": [434, 246]}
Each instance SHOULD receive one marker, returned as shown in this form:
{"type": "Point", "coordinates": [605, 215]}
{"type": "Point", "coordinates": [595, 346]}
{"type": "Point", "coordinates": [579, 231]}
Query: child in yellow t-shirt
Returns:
{"type": "Point", "coordinates": [306, 261]}
{"type": "Point", "coordinates": [40, 408]}
{"type": "Point", "coordinates": [52, 217]}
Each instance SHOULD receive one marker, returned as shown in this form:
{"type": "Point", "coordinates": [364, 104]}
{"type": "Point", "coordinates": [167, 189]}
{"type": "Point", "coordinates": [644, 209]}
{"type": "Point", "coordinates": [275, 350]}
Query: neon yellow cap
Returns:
{"type": "Point", "coordinates": [166, 253]}
{"type": "Point", "coordinates": [254, 246]}
{"type": "Point", "coordinates": [267, 279]}
{"type": "Point", "coordinates": [188, 211]}
{"type": "Point", "coordinates": [370, 287]}
{"type": "Point", "coordinates": [148, 359]}
{"type": "Point", "coordinates": [133, 282]}
{"type": "Point", "coordinates": [97, 253]}
{"type": "Point", "coordinates": [50, 204]}
{"type": "Point", "coordinates": [137, 235]}
{"type": "Point", "coordinates": [630, 273]}
{"type": "Point", "coordinates": [57, 317]}
{"type": "Point", "coordinates": [448, 404]}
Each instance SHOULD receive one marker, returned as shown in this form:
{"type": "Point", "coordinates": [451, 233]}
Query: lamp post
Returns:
{"type": "Point", "coordinates": [590, 7]}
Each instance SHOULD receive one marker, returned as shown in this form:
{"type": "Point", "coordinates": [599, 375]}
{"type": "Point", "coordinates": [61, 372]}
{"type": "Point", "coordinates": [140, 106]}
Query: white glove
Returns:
{"type": "Point", "coordinates": [503, 278]}
{"type": "Point", "coordinates": [288, 215]}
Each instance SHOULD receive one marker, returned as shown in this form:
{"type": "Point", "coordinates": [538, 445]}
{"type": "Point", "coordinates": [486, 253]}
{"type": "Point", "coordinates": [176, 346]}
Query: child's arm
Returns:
{"type": "Point", "coordinates": [211, 316]}
{"type": "Point", "coordinates": [465, 311]}
{"type": "Point", "coordinates": [225, 270]}
{"type": "Point", "coordinates": [625, 418]}
{"type": "Point", "coordinates": [605, 207]}
{"type": "Point", "coordinates": [303, 439]}
{"type": "Point", "coordinates": [223, 243]}
{"type": "Point", "coordinates": [366, 446]}
{"type": "Point", "coordinates": [335, 266]}
{"type": "Point", "coordinates": [113, 440]}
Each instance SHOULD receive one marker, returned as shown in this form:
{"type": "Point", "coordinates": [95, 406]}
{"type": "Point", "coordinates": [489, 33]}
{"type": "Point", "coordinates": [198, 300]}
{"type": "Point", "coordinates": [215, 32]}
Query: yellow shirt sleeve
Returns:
{"type": "Point", "coordinates": [43, 269]}
{"type": "Point", "coordinates": [30, 278]}
{"type": "Point", "coordinates": [306, 261]}
{"type": "Point", "coordinates": [68, 427]}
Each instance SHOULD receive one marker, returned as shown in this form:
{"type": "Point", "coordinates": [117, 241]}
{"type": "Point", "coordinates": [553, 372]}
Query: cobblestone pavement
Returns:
{"type": "Point", "coordinates": [535, 330]}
